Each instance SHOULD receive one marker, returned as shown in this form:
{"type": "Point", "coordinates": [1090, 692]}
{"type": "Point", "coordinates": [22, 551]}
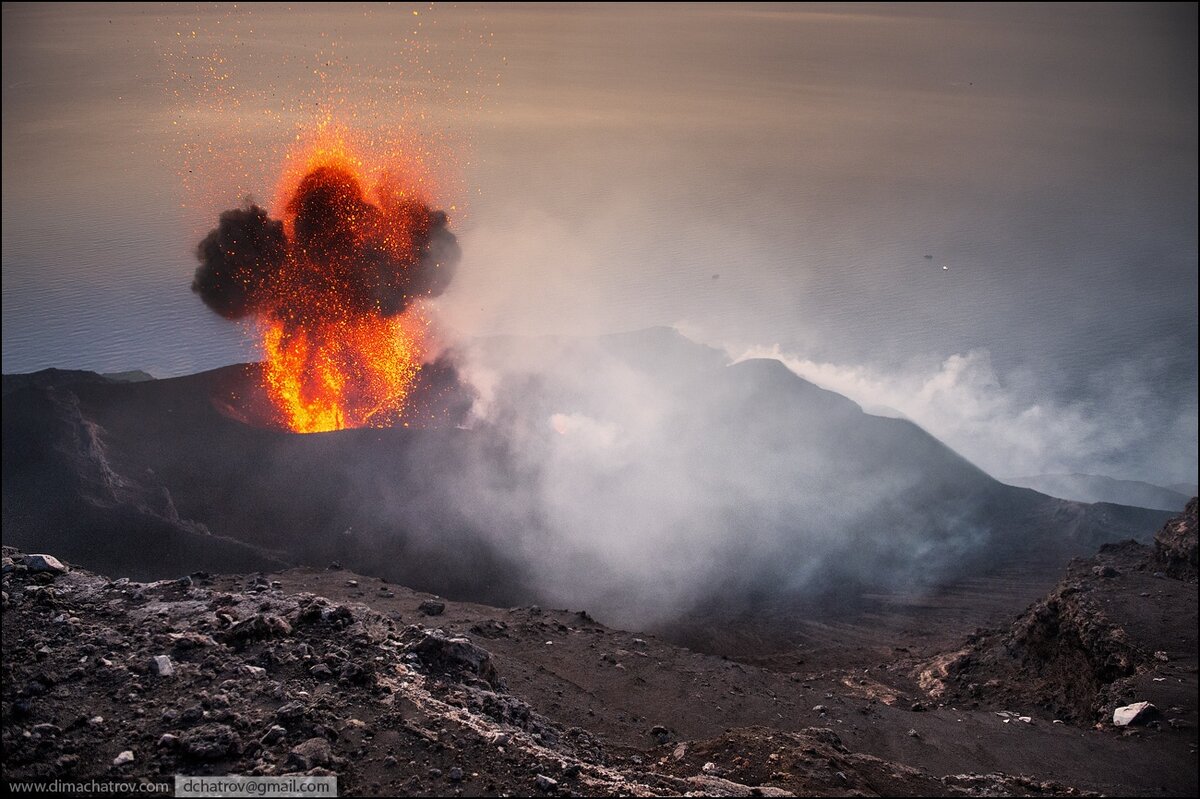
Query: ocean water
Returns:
{"type": "Point", "coordinates": [758, 175]}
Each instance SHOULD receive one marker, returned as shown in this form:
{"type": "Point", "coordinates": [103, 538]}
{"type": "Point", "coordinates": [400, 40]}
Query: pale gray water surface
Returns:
{"type": "Point", "coordinates": [758, 175]}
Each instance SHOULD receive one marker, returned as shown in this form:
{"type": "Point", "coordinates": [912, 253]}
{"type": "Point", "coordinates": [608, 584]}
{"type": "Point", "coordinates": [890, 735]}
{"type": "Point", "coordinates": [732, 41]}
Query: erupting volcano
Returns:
{"type": "Point", "coordinates": [333, 289]}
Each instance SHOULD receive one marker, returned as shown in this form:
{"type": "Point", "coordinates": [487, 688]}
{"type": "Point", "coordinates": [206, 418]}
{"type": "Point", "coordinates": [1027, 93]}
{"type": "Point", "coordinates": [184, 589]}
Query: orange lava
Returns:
{"type": "Point", "coordinates": [352, 372]}
{"type": "Point", "coordinates": [335, 356]}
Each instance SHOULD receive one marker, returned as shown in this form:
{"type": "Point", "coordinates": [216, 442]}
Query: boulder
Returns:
{"type": "Point", "coordinates": [312, 753]}
{"type": "Point", "coordinates": [290, 712]}
{"type": "Point", "coordinates": [1137, 713]}
{"type": "Point", "coordinates": [431, 607]}
{"type": "Point", "coordinates": [257, 627]}
{"type": "Point", "coordinates": [45, 563]}
{"type": "Point", "coordinates": [457, 653]}
{"type": "Point", "coordinates": [1175, 544]}
{"type": "Point", "coordinates": [273, 735]}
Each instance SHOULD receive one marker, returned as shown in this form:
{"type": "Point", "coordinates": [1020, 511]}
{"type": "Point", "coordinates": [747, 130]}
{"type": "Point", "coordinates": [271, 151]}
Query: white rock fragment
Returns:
{"type": "Point", "coordinates": [1136, 713]}
{"type": "Point", "coordinates": [45, 563]}
{"type": "Point", "coordinates": [123, 758]}
{"type": "Point", "coordinates": [162, 666]}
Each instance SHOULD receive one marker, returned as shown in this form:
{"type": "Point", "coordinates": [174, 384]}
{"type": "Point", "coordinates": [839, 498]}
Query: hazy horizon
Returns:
{"type": "Point", "coordinates": [768, 180]}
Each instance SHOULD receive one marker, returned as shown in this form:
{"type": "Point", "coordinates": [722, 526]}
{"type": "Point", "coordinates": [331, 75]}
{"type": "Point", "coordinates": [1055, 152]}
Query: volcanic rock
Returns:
{"type": "Point", "coordinates": [45, 563]}
{"type": "Point", "coordinates": [457, 652]}
{"type": "Point", "coordinates": [312, 753]}
{"type": "Point", "coordinates": [211, 742]}
{"type": "Point", "coordinates": [290, 712]}
{"type": "Point", "coordinates": [433, 703]}
{"type": "Point", "coordinates": [1137, 713]}
{"type": "Point", "coordinates": [431, 607]}
{"type": "Point", "coordinates": [273, 735]}
{"type": "Point", "coordinates": [708, 785]}
{"type": "Point", "coordinates": [1061, 654]}
{"type": "Point", "coordinates": [1175, 545]}
{"type": "Point", "coordinates": [255, 628]}
{"type": "Point", "coordinates": [1083, 651]}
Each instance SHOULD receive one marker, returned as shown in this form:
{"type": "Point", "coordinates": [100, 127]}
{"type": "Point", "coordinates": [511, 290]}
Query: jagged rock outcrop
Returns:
{"type": "Point", "coordinates": [1059, 655]}
{"type": "Point", "coordinates": [1175, 544]}
{"type": "Point", "coordinates": [1075, 653]}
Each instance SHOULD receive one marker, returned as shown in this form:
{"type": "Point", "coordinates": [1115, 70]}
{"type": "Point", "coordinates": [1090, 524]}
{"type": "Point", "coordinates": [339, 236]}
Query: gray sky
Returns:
{"type": "Point", "coordinates": [769, 179]}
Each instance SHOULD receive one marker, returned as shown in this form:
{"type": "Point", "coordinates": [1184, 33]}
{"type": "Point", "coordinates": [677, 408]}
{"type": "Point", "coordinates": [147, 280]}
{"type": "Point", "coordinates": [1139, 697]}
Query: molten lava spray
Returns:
{"type": "Point", "coordinates": [334, 289]}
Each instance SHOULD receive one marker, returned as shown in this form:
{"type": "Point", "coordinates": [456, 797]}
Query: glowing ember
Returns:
{"type": "Point", "coordinates": [351, 373]}
{"type": "Point", "coordinates": [334, 288]}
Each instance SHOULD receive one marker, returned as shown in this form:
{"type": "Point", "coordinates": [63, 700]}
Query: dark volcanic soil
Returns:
{"type": "Point", "coordinates": [324, 671]}
{"type": "Point", "coordinates": [1121, 627]}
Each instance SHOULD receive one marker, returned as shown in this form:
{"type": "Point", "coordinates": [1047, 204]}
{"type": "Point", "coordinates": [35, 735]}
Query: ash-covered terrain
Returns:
{"type": "Point", "coordinates": [402, 693]}
{"type": "Point", "coordinates": [641, 476]}
{"type": "Point", "coordinates": [759, 588]}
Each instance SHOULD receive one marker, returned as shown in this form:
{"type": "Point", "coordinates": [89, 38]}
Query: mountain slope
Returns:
{"type": "Point", "coordinates": [1096, 488]}
{"type": "Point", "coordinates": [637, 475]}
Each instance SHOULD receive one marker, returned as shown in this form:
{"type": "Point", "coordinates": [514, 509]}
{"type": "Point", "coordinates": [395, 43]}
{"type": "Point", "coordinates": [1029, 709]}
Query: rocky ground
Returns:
{"type": "Point", "coordinates": [398, 692]}
{"type": "Point", "coordinates": [1119, 628]}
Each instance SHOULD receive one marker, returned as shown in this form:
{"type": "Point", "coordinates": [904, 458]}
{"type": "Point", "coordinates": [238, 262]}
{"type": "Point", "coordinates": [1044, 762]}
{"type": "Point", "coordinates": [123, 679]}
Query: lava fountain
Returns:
{"type": "Point", "coordinates": [333, 288]}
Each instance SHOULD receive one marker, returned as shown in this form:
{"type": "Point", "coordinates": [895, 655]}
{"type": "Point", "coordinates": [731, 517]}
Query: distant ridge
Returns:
{"type": "Point", "coordinates": [1098, 488]}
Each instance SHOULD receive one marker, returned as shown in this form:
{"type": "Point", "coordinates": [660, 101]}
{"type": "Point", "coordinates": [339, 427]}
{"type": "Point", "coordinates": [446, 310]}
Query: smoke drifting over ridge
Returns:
{"type": "Point", "coordinates": [1010, 429]}
{"type": "Point", "coordinates": [644, 477]}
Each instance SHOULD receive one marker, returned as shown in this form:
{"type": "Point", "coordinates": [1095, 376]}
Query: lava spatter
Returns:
{"type": "Point", "coordinates": [333, 287]}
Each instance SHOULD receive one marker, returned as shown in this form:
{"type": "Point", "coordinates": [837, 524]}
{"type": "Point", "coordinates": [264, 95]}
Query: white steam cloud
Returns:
{"type": "Point", "coordinates": [994, 422]}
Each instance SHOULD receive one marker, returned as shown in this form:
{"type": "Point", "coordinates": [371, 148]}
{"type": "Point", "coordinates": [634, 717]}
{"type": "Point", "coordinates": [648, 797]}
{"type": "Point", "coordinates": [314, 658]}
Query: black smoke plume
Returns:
{"type": "Point", "coordinates": [239, 259]}
{"type": "Point", "coordinates": [345, 256]}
